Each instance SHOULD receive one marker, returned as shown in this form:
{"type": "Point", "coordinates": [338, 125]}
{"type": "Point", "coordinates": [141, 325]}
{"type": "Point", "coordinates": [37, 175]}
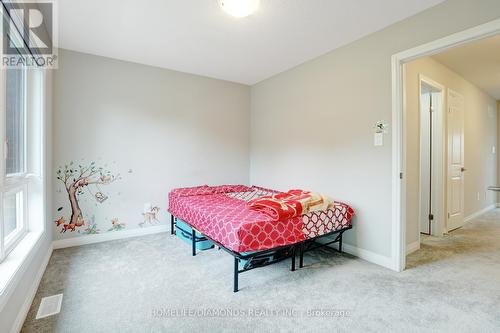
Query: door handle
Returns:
{"type": "Point", "coordinates": [462, 169]}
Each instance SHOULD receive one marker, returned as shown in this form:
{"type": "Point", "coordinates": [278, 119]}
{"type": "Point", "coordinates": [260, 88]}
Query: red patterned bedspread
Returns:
{"type": "Point", "coordinates": [222, 213]}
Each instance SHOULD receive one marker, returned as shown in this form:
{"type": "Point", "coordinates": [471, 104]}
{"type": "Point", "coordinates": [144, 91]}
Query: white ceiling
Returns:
{"type": "Point", "coordinates": [478, 62]}
{"type": "Point", "coordinates": [195, 36]}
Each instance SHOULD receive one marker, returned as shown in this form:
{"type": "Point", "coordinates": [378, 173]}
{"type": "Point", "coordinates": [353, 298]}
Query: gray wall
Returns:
{"type": "Point", "coordinates": [157, 128]}
{"type": "Point", "coordinates": [312, 126]}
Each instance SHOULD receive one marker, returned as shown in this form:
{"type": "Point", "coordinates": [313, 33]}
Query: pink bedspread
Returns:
{"type": "Point", "coordinates": [217, 212]}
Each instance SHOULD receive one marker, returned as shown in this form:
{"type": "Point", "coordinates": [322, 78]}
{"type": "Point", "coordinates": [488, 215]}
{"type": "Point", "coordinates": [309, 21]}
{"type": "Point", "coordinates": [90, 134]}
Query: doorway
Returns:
{"type": "Point", "coordinates": [400, 188]}
{"type": "Point", "coordinates": [431, 211]}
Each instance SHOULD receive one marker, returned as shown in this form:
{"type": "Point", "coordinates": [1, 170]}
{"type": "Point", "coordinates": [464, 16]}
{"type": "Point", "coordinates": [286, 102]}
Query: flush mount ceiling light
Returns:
{"type": "Point", "coordinates": [239, 8]}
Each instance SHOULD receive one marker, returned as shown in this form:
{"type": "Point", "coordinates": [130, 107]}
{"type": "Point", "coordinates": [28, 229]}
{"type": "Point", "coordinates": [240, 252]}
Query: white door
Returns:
{"type": "Point", "coordinates": [425, 159]}
{"type": "Point", "coordinates": [456, 167]}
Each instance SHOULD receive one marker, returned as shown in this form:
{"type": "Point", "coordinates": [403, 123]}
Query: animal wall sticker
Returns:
{"type": "Point", "coordinates": [116, 225]}
{"type": "Point", "coordinates": [150, 215]}
{"type": "Point", "coordinates": [91, 227]}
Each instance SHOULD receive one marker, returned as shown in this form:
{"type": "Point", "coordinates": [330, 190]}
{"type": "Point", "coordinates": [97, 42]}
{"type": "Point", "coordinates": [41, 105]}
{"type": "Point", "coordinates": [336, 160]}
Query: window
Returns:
{"type": "Point", "coordinates": [15, 101]}
{"type": "Point", "coordinates": [14, 219]}
{"type": "Point", "coordinates": [14, 174]}
{"type": "Point", "coordinates": [20, 176]}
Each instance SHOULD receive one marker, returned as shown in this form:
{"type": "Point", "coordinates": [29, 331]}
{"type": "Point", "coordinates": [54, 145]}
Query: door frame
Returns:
{"type": "Point", "coordinates": [398, 239]}
{"type": "Point", "coordinates": [439, 156]}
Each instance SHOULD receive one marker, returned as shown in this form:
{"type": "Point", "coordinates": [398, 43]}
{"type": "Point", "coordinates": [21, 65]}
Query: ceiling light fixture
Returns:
{"type": "Point", "coordinates": [239, 8]}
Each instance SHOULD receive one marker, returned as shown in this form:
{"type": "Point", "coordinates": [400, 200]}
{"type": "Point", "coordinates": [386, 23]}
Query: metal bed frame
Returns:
{"type": "Point", "coordinates": [262, 258]}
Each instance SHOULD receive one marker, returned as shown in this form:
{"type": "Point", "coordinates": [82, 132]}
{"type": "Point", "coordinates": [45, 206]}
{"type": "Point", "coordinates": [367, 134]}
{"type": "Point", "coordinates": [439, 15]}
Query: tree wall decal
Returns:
{"type": "Point", "coordinates": [76, 180]}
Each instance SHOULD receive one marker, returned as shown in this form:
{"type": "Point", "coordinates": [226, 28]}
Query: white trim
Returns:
{"type": "Point", "coordinates": [412, 247]}
{"type": "Point", "coordinates": [23, 312]}
{"type": "Point", "coordinates": [15, 265]}
{"type": "Point", "coordinates": [22, 256]}
{"type": "Point", "coordinates": [480, 212]}
{"type": "Point", "coordinates": [21, 193]}
{"type": "Point", "coordinates": [398, 247]}
{"type": "Point", "coordinates": [398, 201]}
{"type": "Point", "coordinates": [3, 153]}
{"type": "Point", "coordinates": [112, 235]}
{"type": "Point", "coordinates": [368, 255]}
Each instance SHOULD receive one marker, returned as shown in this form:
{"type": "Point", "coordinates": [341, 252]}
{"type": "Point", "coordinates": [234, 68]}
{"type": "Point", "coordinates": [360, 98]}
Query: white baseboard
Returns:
{"type": "Point", "coordinates": [23, 312]}
{"type": "Point", "coordinates": [480, 212]}
{"type": "Point", "coordinates": [369, 256]}
{"type": "Point", "coordinates": [114, 235]}
{"type": "Point", "coordinates": [412, 247]}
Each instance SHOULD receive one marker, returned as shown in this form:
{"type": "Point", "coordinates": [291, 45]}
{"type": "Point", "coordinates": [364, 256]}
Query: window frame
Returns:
{"type": "Point", "coordinates": [3, 155]}
{"type": "Point", "coordinates": [15, 182]}
{"type": "Point", "coordinates": [13, 178]}
{"type": "Point", "coordinates": [18, 234]}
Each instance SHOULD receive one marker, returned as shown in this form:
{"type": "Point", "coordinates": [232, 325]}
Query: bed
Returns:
{"type": "Point", "coordinates": [222, 215]}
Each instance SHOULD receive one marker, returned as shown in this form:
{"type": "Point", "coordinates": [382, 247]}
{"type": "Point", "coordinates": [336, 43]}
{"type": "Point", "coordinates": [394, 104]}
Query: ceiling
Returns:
{"type": "Point", "coordinates": [478, 62]}
{"type": "Point", "coordinates": [196, 36]}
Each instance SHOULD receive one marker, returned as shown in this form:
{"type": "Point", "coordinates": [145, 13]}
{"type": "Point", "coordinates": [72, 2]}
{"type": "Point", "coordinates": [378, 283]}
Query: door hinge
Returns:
{"type": "Point", "coordinates": [400, 175]}
{"type": "Point", "coordinates": [431, 217]}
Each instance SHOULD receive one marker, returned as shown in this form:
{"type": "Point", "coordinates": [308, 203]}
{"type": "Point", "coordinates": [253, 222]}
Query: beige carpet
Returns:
{"type": "Point", "coordinates": [152, 284]}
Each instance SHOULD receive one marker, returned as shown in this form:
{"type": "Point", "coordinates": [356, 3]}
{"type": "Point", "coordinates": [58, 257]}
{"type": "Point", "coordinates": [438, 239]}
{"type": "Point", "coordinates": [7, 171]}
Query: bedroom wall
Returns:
{"type": "Point", "coordinates": [480, 135]}
{"type": "Point", "coordinates": [312, 126]}
{"type": "Point", "coordinates": [152, 129]}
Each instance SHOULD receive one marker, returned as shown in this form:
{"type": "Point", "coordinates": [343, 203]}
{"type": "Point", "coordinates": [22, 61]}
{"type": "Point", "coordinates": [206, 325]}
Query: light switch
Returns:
{"type": "Point", "coordinates": [493, 150]}
{"type": "Point", "coordinates": [491, 113]}
{"type": "Point", "coordinates": [378, 139]}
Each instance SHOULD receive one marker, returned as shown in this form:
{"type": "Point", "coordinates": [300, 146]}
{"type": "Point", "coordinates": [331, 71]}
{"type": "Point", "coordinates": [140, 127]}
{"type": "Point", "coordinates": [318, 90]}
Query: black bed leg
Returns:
{"type": "Point", "coordinates": [301, 256]}
{"type": "Point", "coordinates": [340, 242]}
{"type": "Point", "coordinates": [235, 278]}
{"type": "Point", "coordinates": [293, 259]}
{"type": "Point", "coordinates": [171, 224]}
{"type": "Point", "coordinates": [193, 241]}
